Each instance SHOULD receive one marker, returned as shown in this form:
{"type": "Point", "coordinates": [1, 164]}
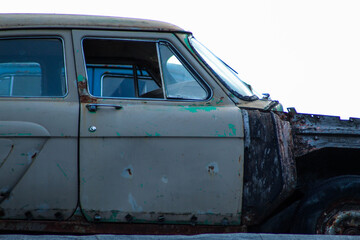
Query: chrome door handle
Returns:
{"type": "Point", "coordinates": [94, 106]}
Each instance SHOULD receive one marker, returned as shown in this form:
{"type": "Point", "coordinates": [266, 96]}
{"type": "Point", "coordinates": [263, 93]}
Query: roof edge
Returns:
{"type": "Point", "coordinates": [30, 20]}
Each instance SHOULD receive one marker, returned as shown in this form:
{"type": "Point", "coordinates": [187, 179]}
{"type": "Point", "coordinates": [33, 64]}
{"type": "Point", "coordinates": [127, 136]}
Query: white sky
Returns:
{"type": "Point", "coordinates": [306, 53]}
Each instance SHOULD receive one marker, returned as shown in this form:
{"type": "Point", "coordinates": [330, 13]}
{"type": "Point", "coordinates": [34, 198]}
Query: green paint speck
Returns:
{"type": "Point", "coordinates": [233, 130]}
{"type": "Point", "coordinates": [63, 172]}
{"type": "Point", "coordinates": [156, 134]}
{"type": "Point", "coordinates": [194, 109]}
{"type": "Point", "coordinates": [118, 134]}
{"type": "Point", "coordinates": [24, 134]}
{"type": "Point", "coordinates": [220, 101]}
{"type": "Point", "coordinates": [81, 78]}
{"type": "Point", "coordinates": [221, 135]}
{"type": "Point", "coordinates": [113, 216]}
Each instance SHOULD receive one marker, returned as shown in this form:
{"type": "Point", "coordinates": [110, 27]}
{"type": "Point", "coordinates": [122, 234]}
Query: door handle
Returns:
{"type": "Point", "coordinates": [94, 106]}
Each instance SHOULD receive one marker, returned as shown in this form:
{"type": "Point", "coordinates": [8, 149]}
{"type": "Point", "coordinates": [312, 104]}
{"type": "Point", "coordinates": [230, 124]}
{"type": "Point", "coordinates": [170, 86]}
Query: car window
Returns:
{"type": "Point", "coordinates": [132, 69]}
{"type": "Point", "coordinates": [179, 82]}
{"type": "Point", "coordinates": [32, 68]}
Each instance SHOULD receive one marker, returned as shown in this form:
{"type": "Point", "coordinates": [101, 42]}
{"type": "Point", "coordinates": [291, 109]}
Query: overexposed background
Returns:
{"type": "Point", "coordinates": [306, 53]}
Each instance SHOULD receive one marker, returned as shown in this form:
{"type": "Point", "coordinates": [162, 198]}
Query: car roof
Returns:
{"type": "Point", "coordinates": [28, 21]}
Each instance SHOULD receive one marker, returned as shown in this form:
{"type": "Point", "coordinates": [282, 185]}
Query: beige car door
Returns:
{"type": "Point", "coordinates": [38, 125]}
{"type": "Point", "coordinates": [158, 143]}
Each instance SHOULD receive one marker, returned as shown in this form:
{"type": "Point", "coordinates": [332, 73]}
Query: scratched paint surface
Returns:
{"type": "Point", "coordinates": [166, 177]}
{"type": "Point", "coordinates": [155, 120]}
{"type": "Point", "coordinates": [160, 161]}
{"type": "Point", "coordinates": [38, 163]}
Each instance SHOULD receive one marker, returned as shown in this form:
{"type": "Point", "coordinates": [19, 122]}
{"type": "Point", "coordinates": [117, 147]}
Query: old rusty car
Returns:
{"type": "Point", "coordinates": [117, 125]}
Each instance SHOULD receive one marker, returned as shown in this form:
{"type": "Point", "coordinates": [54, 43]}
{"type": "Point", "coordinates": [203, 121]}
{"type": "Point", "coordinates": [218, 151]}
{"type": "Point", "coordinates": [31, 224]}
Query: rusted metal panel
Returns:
{"type": "Point", "coordinates": [83, 227]}
{"type": "Point", "coordinates": [314, 132]}
{"type": "Point", "coordinates": [269, 168]}
{"type": "Point", "coordinates": [30, 21]}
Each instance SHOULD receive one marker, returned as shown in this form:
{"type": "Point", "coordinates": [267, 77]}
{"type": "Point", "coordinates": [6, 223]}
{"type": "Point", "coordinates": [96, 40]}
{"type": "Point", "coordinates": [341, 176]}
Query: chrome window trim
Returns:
{"type": "Point", "coordinates": [161, 70]}
{"type": "Point", "coordinates": [192, 71]}
{"type": "Point", "coordinates": [64, 62]}
{"type": "Point", "coordinates": [209, 89]}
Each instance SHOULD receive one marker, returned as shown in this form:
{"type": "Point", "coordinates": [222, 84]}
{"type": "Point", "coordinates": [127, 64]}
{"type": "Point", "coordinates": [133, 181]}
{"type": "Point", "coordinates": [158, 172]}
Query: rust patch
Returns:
{"type": "Point", "coordinates": [84, 227]}
{"type": "Point", "coordinates": [341, 218]}
{"type": "Point", "coordinates": [84, 96]}
{"type": "Point", "coordinates": [213, 168]}
{"type": "Point", "coordinates": [269, 166]}
{"type": "Point", "coordinates": [314, 132]}
{"type": "Point", "coordinates": [87, 99]}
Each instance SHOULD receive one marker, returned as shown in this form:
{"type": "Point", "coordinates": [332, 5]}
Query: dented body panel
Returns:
{"type": "Point", "coordinates": [269, 171]}
{"type": "Point", "coordinates": [115, 125]}
{"type": "Point", "coordinates": [160, 160]}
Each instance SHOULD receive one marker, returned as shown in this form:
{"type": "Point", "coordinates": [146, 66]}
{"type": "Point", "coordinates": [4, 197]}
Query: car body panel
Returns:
{"type": "Point", "coordinates": [38, 170]}
{"type": "Point", "coordinates": [159, 160]}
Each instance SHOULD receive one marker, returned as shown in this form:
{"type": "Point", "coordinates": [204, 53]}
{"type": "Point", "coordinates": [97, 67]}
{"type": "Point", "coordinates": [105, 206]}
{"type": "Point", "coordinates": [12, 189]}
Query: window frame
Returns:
{"type": "Point", "coordinates": [171, 47]}
{"type": "Point", "coordinates": [187, 66]}
{"type": "Point", "coordinates": [40, 37]}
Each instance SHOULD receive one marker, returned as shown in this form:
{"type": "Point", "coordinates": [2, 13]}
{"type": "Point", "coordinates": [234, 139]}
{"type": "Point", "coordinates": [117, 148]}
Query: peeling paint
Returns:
{"type": "Point", "coordinates": [128, 172]}
{"type": "Point", "coordinates": [212, 168]}
{"type": "Point", "coordinates": [220, 100]}
{"type": "Point", "coordinates": [164, 179]}
{"type": "Point", "coordinates": [134, 206]}
{"type": "Point", "coordinates": [81, 78]}
{"type": "Point", "coordinates": [113, 217]}
{"type": "Point", "coordinates": [31, 156]}
{"type": "Point", "coordinates": [156, 134]}
{"type": "Point", "coordinates": [194, 109]}
{"type": "Point", "coordinates": [233, 130]}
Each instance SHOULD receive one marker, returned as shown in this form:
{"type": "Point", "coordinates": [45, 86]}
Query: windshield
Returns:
{"type": "Point", "coordinates": [226, 74]}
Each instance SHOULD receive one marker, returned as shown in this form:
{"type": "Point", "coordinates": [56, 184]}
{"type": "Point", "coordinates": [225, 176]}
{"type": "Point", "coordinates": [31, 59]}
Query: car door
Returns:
{"type": "Point", "coordinates": [38, 125]}
{"type": "Point", "coordinates": [159, 141]}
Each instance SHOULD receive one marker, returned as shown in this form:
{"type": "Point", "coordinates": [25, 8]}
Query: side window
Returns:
{"type": "Point", "coordinates": [32, 68]}
{"type": "Point", "coordinates": [124, 69]}
{"type": "Point", "coordinates": [179, 82]}
{"type": "Point", "coordinates": [132, 69]}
